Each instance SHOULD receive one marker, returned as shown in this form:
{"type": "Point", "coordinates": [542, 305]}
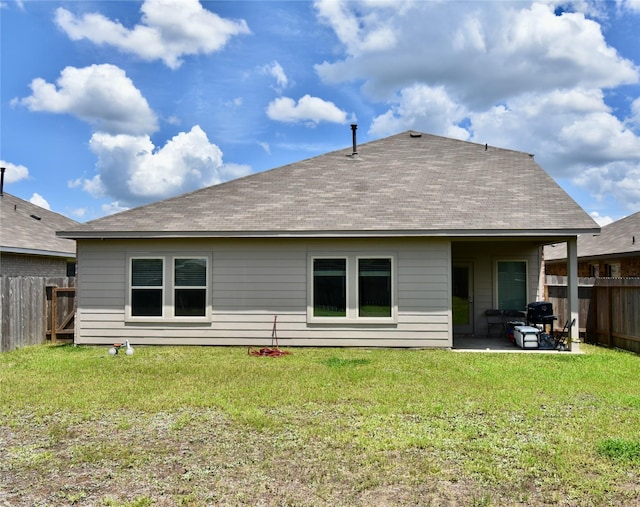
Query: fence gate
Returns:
{"type": "Point", "coordinates": [62, 310]}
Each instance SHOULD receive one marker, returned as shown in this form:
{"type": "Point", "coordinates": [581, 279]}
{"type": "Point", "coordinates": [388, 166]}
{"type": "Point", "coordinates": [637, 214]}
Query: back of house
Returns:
{"type": "Point", "coordinates": [402, 244]}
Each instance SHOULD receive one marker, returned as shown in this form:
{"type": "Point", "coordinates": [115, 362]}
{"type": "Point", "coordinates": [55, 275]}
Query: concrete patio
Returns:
{"type": "Point", "coordinates": [501, 344]}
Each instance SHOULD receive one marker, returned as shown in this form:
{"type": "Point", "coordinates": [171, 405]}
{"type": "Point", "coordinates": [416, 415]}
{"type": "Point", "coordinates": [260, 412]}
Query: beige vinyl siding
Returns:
{"type": "Point", "coordinates": [262, 280]}
{"type": "Point", "coordinates": [255, 280]}
{"type": "Point", "coordinates": [102, 271]}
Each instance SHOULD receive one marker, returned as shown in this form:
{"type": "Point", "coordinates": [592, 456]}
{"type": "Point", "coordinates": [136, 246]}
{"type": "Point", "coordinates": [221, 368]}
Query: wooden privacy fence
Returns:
{"type": "Point", "coordinates": [616, 309]}
{"type": "Point", "coordinates": [609, 309]}
{"type": "Point", "coordinates": [34, 308]}
{"type": "Point", "coordinates": [557, 296]}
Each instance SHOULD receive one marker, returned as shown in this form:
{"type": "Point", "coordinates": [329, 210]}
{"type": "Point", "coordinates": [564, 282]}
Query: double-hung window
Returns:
{"type": "Point", "coordinates": [147, 287]}
{"type": "Point", "coordinates": [168, 287]}
{"type": "Point", "coordinates": [190, 287]}
{"type": "Point", "coordinates": [351, 288]}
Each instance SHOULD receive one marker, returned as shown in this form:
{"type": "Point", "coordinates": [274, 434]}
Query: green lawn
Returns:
{"type": "Point", "coordinates": [340, 427]}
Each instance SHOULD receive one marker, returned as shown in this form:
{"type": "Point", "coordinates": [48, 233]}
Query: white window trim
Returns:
{"type": "Point", "coordinates": [352, 316]}
{"type": "Point", "coordinates": [496, 281]}
{"type": "Point", "coordinates": [168, 288]}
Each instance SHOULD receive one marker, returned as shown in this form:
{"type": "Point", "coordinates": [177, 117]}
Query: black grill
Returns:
{"type": "Point", "coordinates": [540, 312]}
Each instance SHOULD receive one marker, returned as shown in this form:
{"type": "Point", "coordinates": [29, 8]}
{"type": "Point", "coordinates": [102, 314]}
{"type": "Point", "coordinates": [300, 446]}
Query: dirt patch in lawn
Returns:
{"type": "Point", "coordinates": [200, 457]}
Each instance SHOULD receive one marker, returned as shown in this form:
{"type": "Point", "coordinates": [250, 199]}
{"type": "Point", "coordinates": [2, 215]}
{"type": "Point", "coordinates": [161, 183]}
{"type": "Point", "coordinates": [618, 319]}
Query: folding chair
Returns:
{"type": "Point", "coordinates": [495, 319]}
{"type": "Point", "coordinates": [561, 339]}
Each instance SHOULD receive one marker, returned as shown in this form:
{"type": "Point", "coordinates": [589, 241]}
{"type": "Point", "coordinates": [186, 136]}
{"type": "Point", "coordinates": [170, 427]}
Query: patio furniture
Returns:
{"type": "Point", "coordinates": [495, 319]}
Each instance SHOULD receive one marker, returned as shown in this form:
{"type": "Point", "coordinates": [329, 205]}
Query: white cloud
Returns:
{"type": "Point", "coordinates": [94, 186]}
{"type": "Point", "coordinates": [631, 5]}
{"type": "Point", "coordinates": [132, 170]}
{"type": "Point", "coordinates": [18, 3]}
{"type": "Point", "coordinates": [421, 107]}
{"type": "Point", "coordinates": [368, 32]}
{"type": "Point", "coordinates": [113, 207]}
{"type": "Point", "coordinates": [232, 171]}
{"type": "Point", "coordinates": [101, 95]}
{"type": "Point", "coordinates": [494, 51]}
{"type": "Point", "coordinates": [275, 70]}
{"type": "Point", "coordinates": [601, 220]}
{"type": "Point", "coordinates": [173, 120]}
{"type": "Point", "coordinates": [635, 113]}
{"type": "Point", "coordinates": [38, 200]}
{"type": "Point", "coordinates": [266, 147]}
{"type": "Point", "coordinates": [567, 130]}
{"type": "Point", "coordinates": [618, 181]}
{"type": "Point", "coordinates": [169, 30]}
{"type": "Point", "coordinates": [13, 172]}
{"type": "Point", "coordinates": [309, 110]}
{"type": "Point", "coordinates": [518, 75]}
{"type": "Point", "coordinates": [79, 212]}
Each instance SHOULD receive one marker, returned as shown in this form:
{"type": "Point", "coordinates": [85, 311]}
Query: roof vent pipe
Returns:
{"type": "Point", "coordinates": [354, 127]}
{"type": "Point", "coordinates": [2, 170]}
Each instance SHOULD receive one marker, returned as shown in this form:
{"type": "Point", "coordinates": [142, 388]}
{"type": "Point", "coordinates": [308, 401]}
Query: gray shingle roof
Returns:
{"type": "Point", "coordinates": [621, 237]}
{"type": "Point", "coordinates": [409, 183]}
{"type": "Point", "coordinates": [27, 228]}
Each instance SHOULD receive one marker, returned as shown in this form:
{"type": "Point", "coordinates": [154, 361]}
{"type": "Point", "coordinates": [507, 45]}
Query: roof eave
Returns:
{"type": "Point", "coordinates": [33, 251]}
{"type": "Point", "coordinates": [440, 233]}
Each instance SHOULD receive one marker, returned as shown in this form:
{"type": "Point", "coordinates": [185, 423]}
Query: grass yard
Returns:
{"type": "Point", "coordinates": [195, 426]}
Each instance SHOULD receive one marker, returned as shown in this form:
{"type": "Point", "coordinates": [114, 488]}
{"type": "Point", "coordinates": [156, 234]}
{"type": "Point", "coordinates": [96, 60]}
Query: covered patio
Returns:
{"type": "Point", "coordinates": [501, 275]}
{"type": "Point", "coordinates": [501, 344]}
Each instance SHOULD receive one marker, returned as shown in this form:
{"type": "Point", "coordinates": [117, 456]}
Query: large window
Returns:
{"type": "Point", "coordinates": [147, 287]}
{"type": "Point", "coordinates": [190, 287]}
{"type": "Point", "coordinates": [352, 288]}
{"type": "Point", "coordinates": [512, 285]}
{"type": "Point", "coordinates": [374, 287]}
{"type": "Point", "coordinates": [329, 287]}
{"type": "Point", "coordinates": [169, 287]}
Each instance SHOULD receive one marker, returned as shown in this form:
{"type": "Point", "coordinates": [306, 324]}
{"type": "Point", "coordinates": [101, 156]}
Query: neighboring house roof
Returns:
{"type": "Point", "coordinates": [406, 184]}
{"type": "Point", "coordinates": [619, 238]}
{"type": "Point", "coordinates": [29, 229]}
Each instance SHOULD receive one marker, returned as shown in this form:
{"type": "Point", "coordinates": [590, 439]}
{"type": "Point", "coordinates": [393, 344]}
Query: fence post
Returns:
{"type": "Point", "coordinates": [54, 314]}
{"type": "Point", "coordinates": [609, 316]}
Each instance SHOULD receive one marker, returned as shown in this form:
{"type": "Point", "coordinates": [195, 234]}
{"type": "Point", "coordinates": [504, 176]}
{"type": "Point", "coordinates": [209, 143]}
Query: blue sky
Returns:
{"type": "Point", "coordinates": [108, 105]}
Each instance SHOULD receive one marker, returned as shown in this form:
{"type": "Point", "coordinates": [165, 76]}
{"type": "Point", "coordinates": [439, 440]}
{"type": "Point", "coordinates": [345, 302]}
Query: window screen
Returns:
{"type": "Point", "coordinates": [147, 281]}
{"type": "Point", "coordinates": [190, 287]}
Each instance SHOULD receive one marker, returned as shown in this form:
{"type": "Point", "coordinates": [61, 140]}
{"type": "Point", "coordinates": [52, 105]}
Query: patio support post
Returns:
{"type": "Point", "coordinates": [572, 293]}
